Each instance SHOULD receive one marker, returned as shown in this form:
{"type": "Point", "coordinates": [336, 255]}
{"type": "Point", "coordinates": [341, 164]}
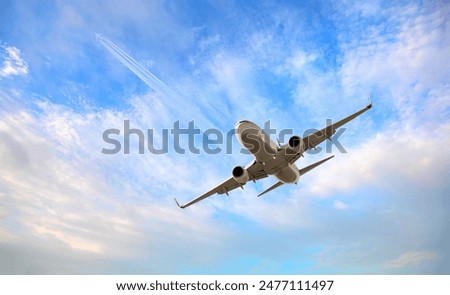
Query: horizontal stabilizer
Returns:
{"type": "Point", "coordinates": [271, 188]}
{"type": "Point", "coordinates": [312, 166]}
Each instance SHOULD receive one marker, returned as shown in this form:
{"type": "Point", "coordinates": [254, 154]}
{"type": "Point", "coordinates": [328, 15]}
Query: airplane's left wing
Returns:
{"type": "Point", "coordinates": [255, 171]}
{"type": "Point", "coordinates": [313, 140]}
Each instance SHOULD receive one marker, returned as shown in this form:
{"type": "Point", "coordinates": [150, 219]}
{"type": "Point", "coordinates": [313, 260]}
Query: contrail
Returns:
{"type": "Point", "coordinates": [151, 80]}
{"type": "Point", "coordinates": [178, 104]}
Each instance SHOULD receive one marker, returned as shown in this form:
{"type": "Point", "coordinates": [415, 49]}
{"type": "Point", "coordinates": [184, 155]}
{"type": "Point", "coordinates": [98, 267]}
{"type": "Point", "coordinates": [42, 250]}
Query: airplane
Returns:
{"type": "Point", "coordinates": [271, 158]}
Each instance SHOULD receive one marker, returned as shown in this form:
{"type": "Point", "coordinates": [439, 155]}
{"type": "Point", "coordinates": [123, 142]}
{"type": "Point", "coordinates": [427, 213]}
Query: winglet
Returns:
{"type": "Point", "coordinates": [178, 204]}
{"type": "Point", "coordinates": [370, 104]}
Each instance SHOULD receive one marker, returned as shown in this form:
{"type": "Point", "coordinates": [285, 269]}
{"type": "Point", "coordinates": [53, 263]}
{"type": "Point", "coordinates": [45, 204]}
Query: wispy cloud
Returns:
{"type": "Point", "coordinates": [13, 63]}
{"type": "Point", "coordinates": [416, 154]}
{"type": "Point", "coordinates": [410, 258]}
{"type": "Point", "coordinates": [67, 196]}
{"type": "Point", "coordinates": [340, 205]}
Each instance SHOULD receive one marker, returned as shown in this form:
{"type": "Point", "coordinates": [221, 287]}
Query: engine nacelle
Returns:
{"type": "Point", "coordinates": [240, 174]}
{"type": "Point", "coordinates": [295, 144]}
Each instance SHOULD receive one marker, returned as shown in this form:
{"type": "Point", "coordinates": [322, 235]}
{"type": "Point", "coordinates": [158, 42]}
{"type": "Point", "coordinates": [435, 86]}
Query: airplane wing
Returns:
{"type": "Point", "coordinates": [313, 140]}
{"type": "Point", "coordinates": [255, 171]}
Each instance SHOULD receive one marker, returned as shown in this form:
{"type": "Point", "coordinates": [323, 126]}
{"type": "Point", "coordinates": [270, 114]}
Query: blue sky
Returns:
{"type": "Point", "coordinates": [382, 207]}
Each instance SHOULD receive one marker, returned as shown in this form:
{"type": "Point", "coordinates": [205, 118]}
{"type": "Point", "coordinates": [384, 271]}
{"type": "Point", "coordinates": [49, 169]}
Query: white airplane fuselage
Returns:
{"type": "Point", "coordinates": [265, 151]}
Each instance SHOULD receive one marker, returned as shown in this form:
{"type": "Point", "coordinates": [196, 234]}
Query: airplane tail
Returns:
{"type": "Point", "coordinates": [312, 166]}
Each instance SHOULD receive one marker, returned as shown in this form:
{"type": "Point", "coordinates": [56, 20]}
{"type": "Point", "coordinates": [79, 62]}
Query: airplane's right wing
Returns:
{"type": "Point", "coordinates": [255, 172]}
{"type": "Point", "coordinates": [313, 140]}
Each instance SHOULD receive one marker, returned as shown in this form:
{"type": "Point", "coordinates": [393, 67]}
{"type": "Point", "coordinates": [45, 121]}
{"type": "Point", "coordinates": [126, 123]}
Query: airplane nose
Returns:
{"type": "Point", "coordinates": [242, 125]}
{"type": "Point", "coordinates": [237, 128]}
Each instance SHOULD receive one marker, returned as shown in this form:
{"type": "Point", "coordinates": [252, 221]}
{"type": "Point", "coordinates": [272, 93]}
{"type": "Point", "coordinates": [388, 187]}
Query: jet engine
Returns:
{"type": "Point", "coordinates": [240, 174]}
{"type": "Point", "coordinates": [295, 144]}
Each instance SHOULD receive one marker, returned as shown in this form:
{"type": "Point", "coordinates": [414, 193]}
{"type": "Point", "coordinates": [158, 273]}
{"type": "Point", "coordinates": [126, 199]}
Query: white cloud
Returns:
{"type": "Point", "coordinates": [13, 64]}
{"type": "Point", "coordinates": [410, 258]}
{"type": "Point", "coordinates": [6, 236]}
{"type": "Point", "coordinates": [417, 154]}
{"type": "Point", "coordinates": [74, 242]}
{"type": "Point", "coordinates": [236, 77]}
{"type": "Point", "coordinates": [279, 211]}
{"type": "Point", "coordinates": [340, 205]}
{"type": "Point", "coordinates": [299, 60]}
{"type": "Point", "coordinates": [407, 58]}
{"type": "Point", "coordinates": [408, 63]}
{"type": "Point", "coordinates": [63, 193]}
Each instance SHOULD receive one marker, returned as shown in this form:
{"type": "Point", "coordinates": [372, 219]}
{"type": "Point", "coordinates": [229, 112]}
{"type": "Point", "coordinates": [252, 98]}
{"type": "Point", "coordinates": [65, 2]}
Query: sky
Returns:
{"type": "Point", "coordinates": [380, 207]}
